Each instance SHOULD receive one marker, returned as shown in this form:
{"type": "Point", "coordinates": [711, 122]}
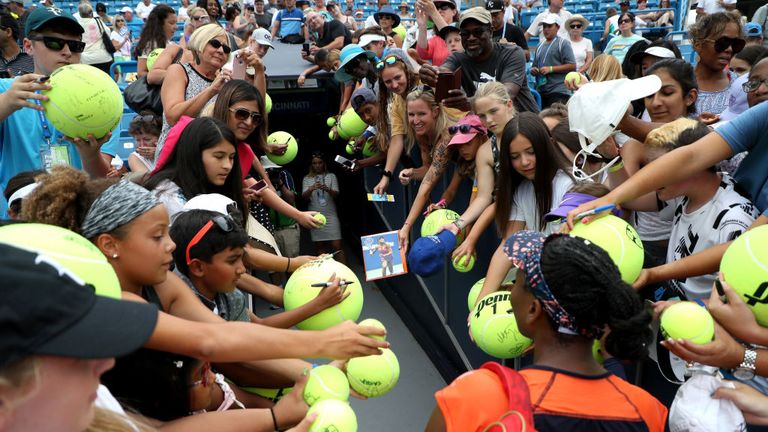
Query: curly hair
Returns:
{"type": "Point", "coordinates": [713, 24]}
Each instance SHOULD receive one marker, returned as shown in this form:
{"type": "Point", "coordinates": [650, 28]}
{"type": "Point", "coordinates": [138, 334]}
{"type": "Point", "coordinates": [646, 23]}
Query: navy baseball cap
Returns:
{"type": "Point", "coordinates": [428, 253]}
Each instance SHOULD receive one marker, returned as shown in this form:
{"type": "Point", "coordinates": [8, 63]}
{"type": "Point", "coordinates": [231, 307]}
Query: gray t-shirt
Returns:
{"type": "Point", "coordinates": [555, 53]}
{"type": "Point", "coordinates": [505, 65]}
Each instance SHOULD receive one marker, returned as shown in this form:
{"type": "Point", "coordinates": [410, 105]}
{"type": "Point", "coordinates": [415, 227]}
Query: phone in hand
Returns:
{"type": "Point", "coordinates": [446, 81]}
{"type": "Point", "coordinates": [346, 163]}
{"type": "Point", "coordinates": [258, 186]}
{"type": "Point", "coordinates": [305, 48]}
{"type": "Point", "coordinates": [238, 67]}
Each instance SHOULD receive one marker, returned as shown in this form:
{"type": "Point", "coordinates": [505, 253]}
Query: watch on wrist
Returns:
{"type": "Point", "coordinates": [746, 370]}
{"type": "Point", "coordinates": [387, 174]}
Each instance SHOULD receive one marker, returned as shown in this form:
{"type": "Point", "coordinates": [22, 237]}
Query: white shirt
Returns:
{"type": "Point", "coordinates": [713, 6]}
{"type": "Point", "coordinates": [524, 206]}
{"type": "Point", "coordinates": [182, 14]}
{"type": "Point", "coordinates": [125, 50]}
{"type": "Point", "coordinates": [143, 10]}
{"type": "Point", "coordinates": [722, 219]}
{"type": "Point", "coordinates": [580, 50]}
{"type": "Point", "coordinates": [535, 27]}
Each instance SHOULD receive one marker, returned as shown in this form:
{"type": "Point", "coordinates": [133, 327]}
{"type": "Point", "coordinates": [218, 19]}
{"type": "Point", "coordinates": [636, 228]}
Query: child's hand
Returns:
{"type": "Point", "coordinates": [292, 408]}
{"type": "Point", "coordinates": [332, 295]}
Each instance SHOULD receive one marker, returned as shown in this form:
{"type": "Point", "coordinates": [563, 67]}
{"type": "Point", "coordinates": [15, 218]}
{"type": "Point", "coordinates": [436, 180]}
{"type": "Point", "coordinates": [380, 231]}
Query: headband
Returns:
{"type": "Point", "coordinates": [116, 206]}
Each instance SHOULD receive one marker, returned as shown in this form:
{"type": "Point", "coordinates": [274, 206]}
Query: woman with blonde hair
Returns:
{"type": "Point", "coordinates": [605, 68]}
{"type": "Point", "coordinates": [197, 18]}
{"type": "Point", "coordinates": [428, 125]}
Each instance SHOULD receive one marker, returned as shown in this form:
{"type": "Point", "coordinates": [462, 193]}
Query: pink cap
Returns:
{"type": "Point", "coordinates": [466, 129]}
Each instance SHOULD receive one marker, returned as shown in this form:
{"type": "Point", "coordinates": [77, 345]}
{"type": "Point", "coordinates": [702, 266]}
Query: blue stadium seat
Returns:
{"type": "Point", "coordinates": [585, 8]}
{"type": "Point", "coordinates": [125, 67]}
{"type": "Point", "coordinates": [527, 18]}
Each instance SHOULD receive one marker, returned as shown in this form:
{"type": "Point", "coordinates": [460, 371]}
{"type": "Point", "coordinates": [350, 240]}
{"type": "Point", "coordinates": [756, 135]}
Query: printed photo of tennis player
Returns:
{"type": "Point", "coordinates": [382, 256]}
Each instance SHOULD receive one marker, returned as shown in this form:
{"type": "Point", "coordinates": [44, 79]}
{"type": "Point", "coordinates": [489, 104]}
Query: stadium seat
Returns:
{"type": "Point", "coordinates": [126, 67]}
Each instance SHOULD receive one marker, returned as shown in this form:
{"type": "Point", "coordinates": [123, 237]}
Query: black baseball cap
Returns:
{"type": "Point", "coordinates": [48, 310]}
{"type": "Point", "coordinates": [494, 6]}
{"type": "Point", "coordinates": [43, 16]}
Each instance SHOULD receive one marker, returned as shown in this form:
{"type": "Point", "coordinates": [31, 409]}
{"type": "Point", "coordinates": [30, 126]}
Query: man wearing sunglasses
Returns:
{"type": "Point", "coordinates": [26, 136]}
{"type": "Point", "coordinates": [13, 61]}
{"type": "Point", "coordinates": [483, 61]}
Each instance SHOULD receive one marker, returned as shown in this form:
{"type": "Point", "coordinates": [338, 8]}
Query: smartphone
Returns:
{"type": "Point", "coordinates": [346, 163]}
{"type": "Point", "coordinates": [305, 48]}
{"type": "Point", "coordinates": [259, 185]}
{"type": "Point", "coordinates": [447, 80]}
{"type": "Point", "coordinates": [238, 67]}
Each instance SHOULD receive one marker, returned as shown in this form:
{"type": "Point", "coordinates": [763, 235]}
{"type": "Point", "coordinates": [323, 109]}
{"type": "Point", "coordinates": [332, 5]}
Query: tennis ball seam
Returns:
{"type": "Point", "coordinates": [752, 255]}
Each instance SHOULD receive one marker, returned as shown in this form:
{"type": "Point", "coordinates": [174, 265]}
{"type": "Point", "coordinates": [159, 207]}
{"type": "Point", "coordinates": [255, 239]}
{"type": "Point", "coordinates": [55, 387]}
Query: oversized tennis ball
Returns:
{"type": "Point", "coordinates": [574, 77]}
{"type": "Point", "coordinates": [463, 265]}
{"type": "Point", "coordinates": [619, 239]}
{"type": "Point", "coordinates": [473, 293]}
{"type": "Point", "coordinates": [351, 148]}
{"type": "Point", "coordinates": [374, 375]}
{"type": "Point", "coordinates": [494, 327]}
{"type": "Point", "coordinates": [320, 218]}
{"type": "Point", "coordinates": [83, 100]}
{"type": "Point", "coordinates": [72, 251]}
{"type": "Point", "coordinates": [331, 121]}
{"type": "Point", "coordinates": [370, 148]}
{"type": "Point", "coordinates": [281, 137]}
{"type": "Point", "coordinates": [438, 218]}
{"type": "Point", "coordinates": [152, 57]}
{"type": "Point", "coordinates": [687, 320]}
{"type": "Point", "coordinates": [350, 124]}
{"type": "Point", "coordinates": [326, 382]}
{"type": "Point", "coordinates": [370, 322]}
{"type": "Point", "coordinates": [267, 103]}
{"type": "Point", "coordinates": [598, 356]}
{"type": "Point", "coordinates": [267, 393]}
{"type": "Point", "coordinates": [299, 291]}
{"type": "Point", "coordinates": [745, 269]}
{"type": "Point", "coordinates": [333, 416]}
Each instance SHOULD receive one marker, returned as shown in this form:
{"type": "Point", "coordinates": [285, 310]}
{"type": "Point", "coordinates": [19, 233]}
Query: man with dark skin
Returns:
{"type": "Point", "coordinates": [483, 61]}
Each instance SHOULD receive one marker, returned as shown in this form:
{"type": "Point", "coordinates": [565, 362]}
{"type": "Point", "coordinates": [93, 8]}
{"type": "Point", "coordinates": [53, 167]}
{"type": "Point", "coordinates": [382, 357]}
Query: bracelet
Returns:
{"type": "Point", "coordinates": [619, 165]}
{"type": "Point", "coordinates": [551, 69]}
{"type": "Point", "coordinates": [288, 267]}
{"type": "Point", "coordinates": [458, 222]}
{"type": "Point", "coordinates": [274, 419]}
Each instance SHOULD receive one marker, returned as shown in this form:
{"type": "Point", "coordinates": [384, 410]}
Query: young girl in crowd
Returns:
{"type": "Point", "coordinates": [716, 39]}
{"type": "Point", "coordinates": [145, 129]}
{"type": "Point", "coordinates": [428, 125]}
{"type": "Point", "coordinates": [443, 15]}
{"type": "Point", "coordinates": [325, 60]}
{"type": "Point", "coordinates": [532, 180]}
{"type": "Point", "coordinates": [321, 188]}
{"type": "Point", "coordinates": [567, 293]}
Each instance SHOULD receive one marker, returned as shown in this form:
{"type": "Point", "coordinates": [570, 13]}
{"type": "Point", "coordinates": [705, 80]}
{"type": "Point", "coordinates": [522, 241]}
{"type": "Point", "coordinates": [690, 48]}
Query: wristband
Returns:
{"type": "Point", "coordinates": [551, 69]}
{"type": "Point", "coordinates": [274, 419]}
{"type": "Point", "coordinates": [619, 165]}
{"type": "Point", "coordinates": [288, 266]}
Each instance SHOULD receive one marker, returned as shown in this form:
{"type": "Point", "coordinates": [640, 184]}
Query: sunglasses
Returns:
{"type": "Point", "coordinates": [119, 20]}
{"type": "Point", "coordinates": [216, 45]}
{"type": "Point", "coordinates": [477, 32]}
{"type": "Point", "coordinates": [225, 223]}
{"type": "Point", "coordinates": [57, 44]}
{"type": "Point", "coordinates": [576, 26]}
{"type": "Point", "coordinates": [205, 376]}
{"type": "Point", "coordinates": [389, 60]}
{"type": "Point", "coordinates": [625, 21]}
{"type": "Point", "coordinates": [464, 128]}
{"type": "Point", "coordinates": [201, 18]}
{"type": "Point", "coordinates": [753, 85]}
{"type": "Point", "coordinates": [722, 44]}
{"type": "Point", "coordinates": [243, 114]}
{"type": "Point", "coordinates": [444, 7]}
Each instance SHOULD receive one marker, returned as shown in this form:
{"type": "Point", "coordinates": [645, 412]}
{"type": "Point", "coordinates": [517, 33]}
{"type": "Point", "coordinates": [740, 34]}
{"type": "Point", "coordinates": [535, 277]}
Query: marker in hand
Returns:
{"type": "Point", "coordinates": [594, 211]}
{"type": "Point", "coordinates": [327, 284]}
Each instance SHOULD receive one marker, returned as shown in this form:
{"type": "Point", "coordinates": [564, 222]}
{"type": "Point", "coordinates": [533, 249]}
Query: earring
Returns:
{"type": "Point", "coordinates": [114, 256]}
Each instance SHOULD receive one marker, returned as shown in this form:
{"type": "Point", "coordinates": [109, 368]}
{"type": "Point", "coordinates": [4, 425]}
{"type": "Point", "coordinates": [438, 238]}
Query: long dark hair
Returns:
{"type": "Point", "coordinates": [682, 72]}
{"type": "Point", "coordinates": [587, 284]}
{"type": "Point", "coordinates": [185, 164]}
{"type": "Point", "coordinates": [548, 162]}
{"type": "Point", "coordinates": [153, 33]}
{"type": "Point", "coordinates": [204, 4]}
{"type": "Point", "coordinates": [238, 91]}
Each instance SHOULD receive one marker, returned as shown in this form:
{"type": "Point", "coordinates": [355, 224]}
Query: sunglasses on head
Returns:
{"type": "Point", "coordinates": [205, 376]}
{"type": "Point", "coordinates": [576, 26]}
{"type": "Point", "coordinates": [243, 114]}
{"type": "Point", "coordinates": [753, 85]}
{"type": "Point", "coordinates": [201, 17]}
{"type": "Point", "coordinates": [464, 128]}
{"type": "Point", "coordinates": [477, 32]}
{"type": "Point", "coordinates": [722, 44]}
{"type": "Point", "coordinates": [216, 45]}
{"type": "Point", "coordinates": [57, 44]}
{"type": "Point", "coordinates": [145, 118]}
{"type": "Point", "coordinates": [389, 60]}
{"type": "Point", "coordinates": [225, 223]}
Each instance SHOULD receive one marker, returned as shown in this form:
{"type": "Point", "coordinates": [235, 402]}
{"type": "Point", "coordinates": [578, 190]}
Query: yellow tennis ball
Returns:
{"type": "Point", "coordinates": [267, 103]}
{"type": "Point", "coordinates": [350, 124]}
{"type": "Point", "coordinates": [370, 322]}
{"type": "Point", "coordinates": [267, 393]}
{"type": "Point", "coordinates": [299, 291]}
{"type": "Point", "coordinates": [370, 148]}
{"type": "Point", "coordinates": [463, 265]}
{"type": "Point", "coordinates": [83, 100]}
{"type": "Point", "coordinates": [438, 218]}
{"type": "Point", "coordinates": [331, 121]}
{"type": "Point", "coordinates": [573, 77]}
{"type": "Point", "coordinates": [281, 137]}
{"type": "Point", "coordinates": [619, 239]}
{"type": "Point", "coordinates": [326, 382]}
{"type": "Point", "coordinates": [320, 218]}
{"type": "Point", "coordinates": [374, 375]}
{"type": "Point", "coordinates": [333, 416]}
{"type": "Point", "coordinates": [152, 57]}
{"type": "Point", "coordinates": [745, 269]}
{"type": "Point", "coordinates": [494, 327]}
{"type": "Point", "coordinates": [598, 356]}
{"type": "Point", "coordinates": [473, 293]}
{"type": "Point", "coordinates": [687, 320]}
{"type": "Point", "coordinates": [73, 251]}
{"type": "Point", "coordinates": [350, 148]}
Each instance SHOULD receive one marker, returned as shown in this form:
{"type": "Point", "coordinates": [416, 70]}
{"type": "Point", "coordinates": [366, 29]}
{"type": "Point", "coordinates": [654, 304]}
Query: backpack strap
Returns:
{"type": "Point", "coordinates": [519, 417]}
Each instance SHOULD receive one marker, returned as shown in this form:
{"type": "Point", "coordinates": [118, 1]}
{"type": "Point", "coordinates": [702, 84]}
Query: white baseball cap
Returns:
{"type": "Point", "coordinates": [262, 37]}
{"type": "Point", "coordinates": [551, 19]}
{"type": "Point", "coordinates": [126, 9]}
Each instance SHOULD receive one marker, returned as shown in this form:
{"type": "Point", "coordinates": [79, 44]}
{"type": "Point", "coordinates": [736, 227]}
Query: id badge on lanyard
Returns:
{"type": "Point", "coordinates": [52, 153]}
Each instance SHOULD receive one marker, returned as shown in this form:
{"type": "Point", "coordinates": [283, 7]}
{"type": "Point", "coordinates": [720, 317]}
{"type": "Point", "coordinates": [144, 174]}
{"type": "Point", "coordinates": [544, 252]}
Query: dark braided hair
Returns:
{"type": "Point", "coordinates": [587, 284]}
